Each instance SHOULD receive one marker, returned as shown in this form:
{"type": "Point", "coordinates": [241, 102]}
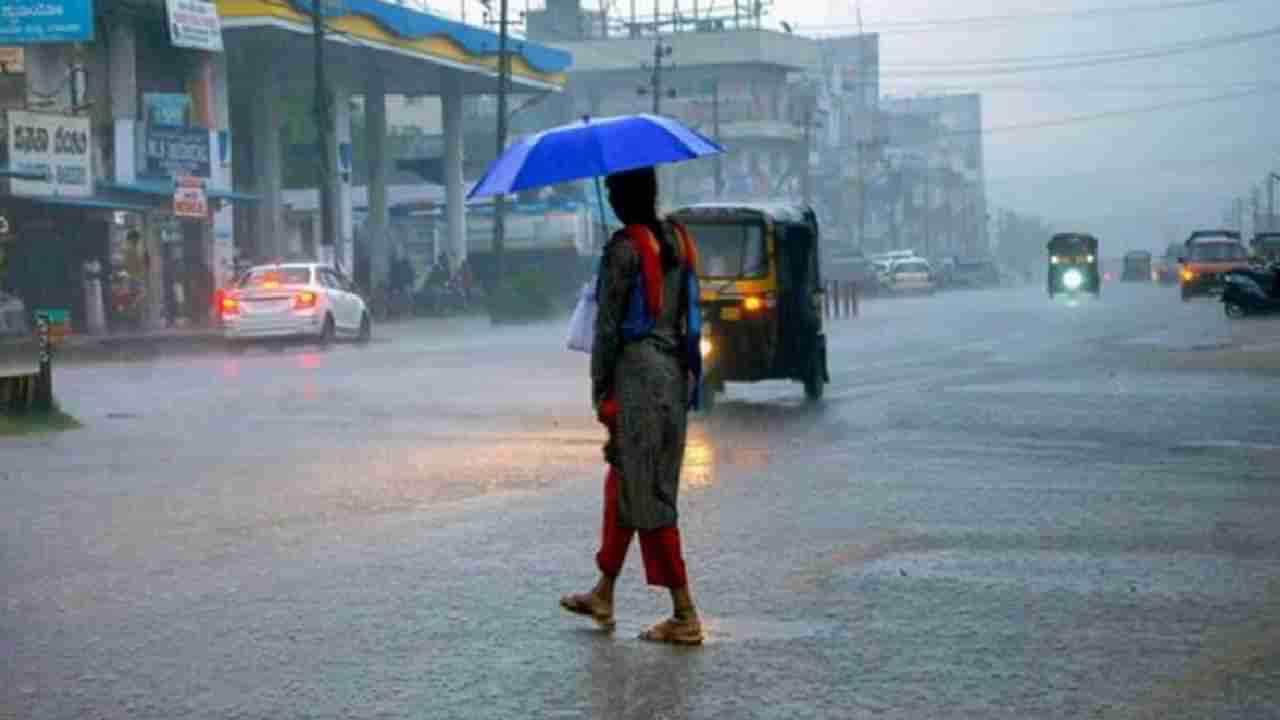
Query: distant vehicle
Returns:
{"type": "Point", "coordinates": [1164, 269]}
{"type": "Point", "coordinates": [1137, 267]}
{"type": "Point", "coordinates": [1209, 254]}
{"type": "Point", "coordinates": [911, 275]}
{"type": "Point", "coordinates": [762, 295]}
{"type": "Point", "coordinates": [296, 300]}
{"type": "Point", "coordinates": [1250, 292]}
{"type": "Point", "coordinates": [1266, 247]}
{"type": "Point", "coordinates": [1073, 265]}
{"type": "Point", "coordinates": [973, 273]}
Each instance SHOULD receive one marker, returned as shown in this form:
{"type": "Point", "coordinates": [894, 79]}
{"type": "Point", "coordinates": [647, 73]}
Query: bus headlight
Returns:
{"type": "Point", "coordinates": [1072, 279]}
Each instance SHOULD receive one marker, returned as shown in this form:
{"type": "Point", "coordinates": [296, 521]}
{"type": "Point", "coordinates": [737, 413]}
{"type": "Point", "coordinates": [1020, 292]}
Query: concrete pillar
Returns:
{"type": "Point", "coordinates": [266, 117]}
{"type": "Point", "coordinates": [377, 239]}
{"type": "Point", "coordinates": [340, 109]}
{"type": "Point", "coordinates": [223, 250]}
{"type": "Point", "coordinates": [455, 199]}
{"type": "Point", "coordinates": [123, 66]}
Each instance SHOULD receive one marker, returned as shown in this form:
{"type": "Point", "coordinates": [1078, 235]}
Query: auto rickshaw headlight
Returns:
{"type": "Point", "coordinates": [1072, 279]}
{"type": "Point", "coordinates": [705, 347]}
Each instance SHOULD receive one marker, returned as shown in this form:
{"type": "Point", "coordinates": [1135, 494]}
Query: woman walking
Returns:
{"type": "Point", "coordinates": [640, 386]}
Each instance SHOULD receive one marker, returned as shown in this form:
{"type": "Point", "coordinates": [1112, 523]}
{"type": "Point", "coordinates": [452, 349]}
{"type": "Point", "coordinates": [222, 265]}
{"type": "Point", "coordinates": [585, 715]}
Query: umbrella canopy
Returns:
{"type": "Point", "coordinates": [592, 148]}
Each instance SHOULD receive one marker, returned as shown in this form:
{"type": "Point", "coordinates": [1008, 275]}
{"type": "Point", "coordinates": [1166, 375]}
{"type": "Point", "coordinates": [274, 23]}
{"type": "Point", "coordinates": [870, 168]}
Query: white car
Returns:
{"type": "Point", "coordinates": [911, 275]}
{"type": "Point", "coordinates": [293, 300]}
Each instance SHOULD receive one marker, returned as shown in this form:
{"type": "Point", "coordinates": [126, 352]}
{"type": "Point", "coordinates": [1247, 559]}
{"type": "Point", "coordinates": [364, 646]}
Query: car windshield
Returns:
{"type": "Point", "coordinates": [274, 277]}
{"type": "Point", "coordinates": [1218, 251]}
{"type": "Point", "coordinates": [911, 267]}
{"type": "Point", "coordinates": [1071, 245]}
{"type": "Point", "coordinates": [728, 250]}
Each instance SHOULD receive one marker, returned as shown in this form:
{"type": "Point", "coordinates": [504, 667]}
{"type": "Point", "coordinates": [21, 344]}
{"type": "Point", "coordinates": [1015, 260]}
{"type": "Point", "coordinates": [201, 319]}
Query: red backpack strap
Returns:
{"type": "Point", "coordinates": [686, 242]}
{"type": "Point", "coordinates": [646, 247]}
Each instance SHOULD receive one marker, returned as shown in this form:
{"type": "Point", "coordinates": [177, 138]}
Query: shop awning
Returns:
{"type": "Point", "coordinates": [164, 189]}
{"type": "Point", "coordinates": [232, 195]}
{"type": "Point", "coordinates": [12, 172]}
{"type": "Point", "coordinates": [88, 203]}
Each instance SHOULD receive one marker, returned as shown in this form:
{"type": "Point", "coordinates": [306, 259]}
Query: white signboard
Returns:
{"type": "Point", "coordinates": [54, 147]}
{"type": "Point", "coordinates": [189, 199]}
{"type": "Point", "coordinates": [194, 24]}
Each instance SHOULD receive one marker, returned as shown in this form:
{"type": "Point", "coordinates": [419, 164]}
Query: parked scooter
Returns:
{"type": "Point", "coordinates": [1251, 292]}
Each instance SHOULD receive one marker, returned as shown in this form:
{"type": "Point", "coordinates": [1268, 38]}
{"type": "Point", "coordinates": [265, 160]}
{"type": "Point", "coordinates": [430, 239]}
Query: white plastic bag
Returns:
{"type": "Point", "coordinates": [582, 324]}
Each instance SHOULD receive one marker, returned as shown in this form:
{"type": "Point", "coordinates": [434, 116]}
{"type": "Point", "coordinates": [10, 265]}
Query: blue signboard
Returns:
{"type": "Point", "coordinates": [23, 22]}
{"type": "Point", "coordinates": [174, 151]}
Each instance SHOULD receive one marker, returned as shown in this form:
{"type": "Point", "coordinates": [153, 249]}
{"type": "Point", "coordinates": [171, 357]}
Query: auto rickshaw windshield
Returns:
{"type": "Point", "coordinates": [731, 250]}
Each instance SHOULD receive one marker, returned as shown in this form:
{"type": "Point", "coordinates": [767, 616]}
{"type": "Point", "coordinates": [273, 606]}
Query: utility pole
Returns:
{"type": "Point", "coordinates": [715, 129]}
{"type": "Point", "coordinates": [500, 201]}
{"type": "Point", "coordinates": [655, 78]}
{"type": "Point", "coordinates": [1272, 179]}
{"type": "Point", "coordinates": [326, 139]}
{"type": "Point", "coordinates": [928, 229]}
{"type": "Point", "coordinates": [806, 180]}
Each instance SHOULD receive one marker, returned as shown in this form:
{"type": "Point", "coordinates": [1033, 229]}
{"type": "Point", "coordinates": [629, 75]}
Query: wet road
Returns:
{"type": "Point", "coordinates": [1004, 509]}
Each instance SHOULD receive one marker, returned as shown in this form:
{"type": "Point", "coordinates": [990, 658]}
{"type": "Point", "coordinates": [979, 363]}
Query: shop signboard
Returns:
{"type": "Point", "coordinates": [25, 22]}
{"type": "Point", "coordinates": [172, 151]}
{"type": "Point", "coordinates": [172, 109]}
{"type": "Point", "coordinates": [194, 24]}
{"type": "Point", "coordinates": [12, 60]}
{"type": "Point", "coordinates": [189, 199]}
{"type": "Point", "coordinates": [56, 147]}
{"type": "Point", "coordinates": [59, 321]}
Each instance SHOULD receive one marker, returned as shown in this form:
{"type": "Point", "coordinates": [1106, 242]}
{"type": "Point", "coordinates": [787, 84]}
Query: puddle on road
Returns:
{"type": "Point", "coordinates": [736, 630]}
{"type": "Point", "coordinates": [1204, 574]}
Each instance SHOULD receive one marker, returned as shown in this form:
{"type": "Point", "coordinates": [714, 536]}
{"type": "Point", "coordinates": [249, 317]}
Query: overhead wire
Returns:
{"type": "Point", "coordinates": [1096, 61]}
{"type": "Point", "coordinates": [1001, 21]}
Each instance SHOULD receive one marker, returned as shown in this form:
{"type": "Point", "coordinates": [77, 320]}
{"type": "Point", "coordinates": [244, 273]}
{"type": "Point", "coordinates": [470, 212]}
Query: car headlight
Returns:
{"type": "Point", "coordinates": [705, 347]}
{"type": "Point", "coordinates": [1187, 275]}
{"type": "Point", "coordinates": [1091, 258]}
{"type": "Point", "coordinates": [1072, 279]}
{"type": "Point", "coordinates": [1054, 260]}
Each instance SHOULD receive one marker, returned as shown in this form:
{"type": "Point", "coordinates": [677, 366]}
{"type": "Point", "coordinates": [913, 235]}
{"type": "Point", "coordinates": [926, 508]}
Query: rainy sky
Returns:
{"type": "Point", "coordinates": [1187, 128]}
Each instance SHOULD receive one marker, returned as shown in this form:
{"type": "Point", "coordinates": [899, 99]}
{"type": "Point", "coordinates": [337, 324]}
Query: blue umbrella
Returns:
{"type": "Point", "coordinates": [592, 148]}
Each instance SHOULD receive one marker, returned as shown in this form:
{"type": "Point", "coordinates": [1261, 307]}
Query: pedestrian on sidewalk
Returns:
{"type": "Point", "coordinates": [640, 384]}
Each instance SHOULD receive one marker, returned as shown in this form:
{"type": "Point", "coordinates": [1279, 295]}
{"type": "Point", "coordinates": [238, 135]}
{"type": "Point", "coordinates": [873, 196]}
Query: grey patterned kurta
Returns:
{"type": "Point", "coordinates": [652, 390]}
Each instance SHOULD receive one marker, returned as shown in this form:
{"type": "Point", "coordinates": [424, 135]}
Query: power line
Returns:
{"type": "Point", "coordinates": [907, 90]}
{"type": "Point", "coordinates": [1110, 59]}
{"type": "Point", "coordinates": [968, 23]}
{"type": "Point", "coordinates": [1210, 42]}
{"type": "Point", "coordinates": [1094, 117]}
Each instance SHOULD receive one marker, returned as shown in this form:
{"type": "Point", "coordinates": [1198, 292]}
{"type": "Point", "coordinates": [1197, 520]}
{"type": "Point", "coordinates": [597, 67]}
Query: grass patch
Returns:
{"type": "Point", "coordinates": [36, 423]}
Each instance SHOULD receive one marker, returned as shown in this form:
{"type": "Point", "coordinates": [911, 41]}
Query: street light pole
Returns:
{"type": "Point", "coordinates": [1272, 179]}
{"type": "Point", "coordinates": [499, 202]}
{"type": "Point", "coordinates": [327, 141]}
{"type": "Point", "coordinates": [715, 129]}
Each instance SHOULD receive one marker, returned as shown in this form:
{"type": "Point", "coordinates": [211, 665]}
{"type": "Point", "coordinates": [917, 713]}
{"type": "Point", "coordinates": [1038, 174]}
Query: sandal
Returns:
{"type": "Point", "coordinates": [587, 604]}
{"type": "Point", "coordinates": [675, 632]}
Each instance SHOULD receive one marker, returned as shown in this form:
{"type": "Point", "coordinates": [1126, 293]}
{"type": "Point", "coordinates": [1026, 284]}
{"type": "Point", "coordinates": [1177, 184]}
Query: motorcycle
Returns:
{"type": "Point", "coordinates": [1248, 292]}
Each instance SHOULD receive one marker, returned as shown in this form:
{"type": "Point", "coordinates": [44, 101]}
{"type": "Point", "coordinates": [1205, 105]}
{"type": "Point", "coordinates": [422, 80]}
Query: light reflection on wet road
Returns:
{"type": "Point", "coordinates": [1005, 508]}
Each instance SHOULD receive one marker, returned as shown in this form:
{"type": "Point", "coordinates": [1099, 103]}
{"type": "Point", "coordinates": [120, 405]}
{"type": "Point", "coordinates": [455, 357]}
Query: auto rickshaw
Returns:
{"type": "Point", "coordinates": [1137, 267]}
{"type": "Point", "coordinates": [1073, 265]}
{"type": "Point", "coordinates": [762, 295]}
{"type": "Point", "coordinates": [1266, 247]}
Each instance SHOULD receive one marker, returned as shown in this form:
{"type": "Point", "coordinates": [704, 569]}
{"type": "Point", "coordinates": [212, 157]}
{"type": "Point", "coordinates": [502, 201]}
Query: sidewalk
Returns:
{"type": "Point", "coordinates": [21, 351]}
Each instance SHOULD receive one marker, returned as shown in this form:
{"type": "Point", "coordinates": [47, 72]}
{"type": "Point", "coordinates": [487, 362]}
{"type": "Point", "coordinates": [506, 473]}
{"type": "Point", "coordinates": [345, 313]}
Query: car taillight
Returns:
{"type": "Point", "coordinates": [304, 300]}
{"type": "Point", "coordinates": [230, 306]}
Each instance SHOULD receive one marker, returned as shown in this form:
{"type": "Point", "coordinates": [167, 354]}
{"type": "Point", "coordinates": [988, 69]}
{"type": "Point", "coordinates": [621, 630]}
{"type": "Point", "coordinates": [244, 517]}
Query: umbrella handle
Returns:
{"type": "Point", "coordinates": [604, 219]}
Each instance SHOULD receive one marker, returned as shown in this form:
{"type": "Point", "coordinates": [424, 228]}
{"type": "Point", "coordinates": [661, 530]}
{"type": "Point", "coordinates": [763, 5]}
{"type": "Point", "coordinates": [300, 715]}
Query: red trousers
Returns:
{"type": "Point", "coordinates": [663, 562]}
